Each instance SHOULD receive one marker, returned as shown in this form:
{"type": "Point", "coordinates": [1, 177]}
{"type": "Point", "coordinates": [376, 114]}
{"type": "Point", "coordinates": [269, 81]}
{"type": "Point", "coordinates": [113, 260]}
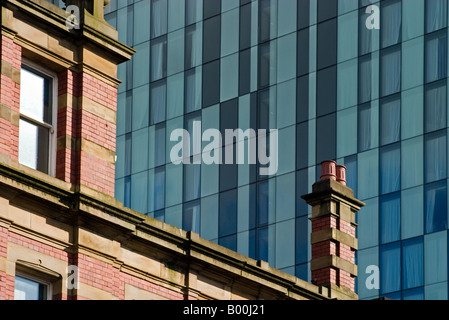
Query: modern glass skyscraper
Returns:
{"type": "Point", "coordinates": [336, 88]}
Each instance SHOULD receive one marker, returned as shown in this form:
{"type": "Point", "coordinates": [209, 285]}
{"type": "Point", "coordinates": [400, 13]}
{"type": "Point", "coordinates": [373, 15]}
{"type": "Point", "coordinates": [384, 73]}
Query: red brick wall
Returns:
{"type": "Point", "coordinates": [332, 247]}
{"type": "Point", "coordinates": [104, 276]}
{"type": "Point", "coordinates": [78, 166]}
{"type": "Point", "coordinates": [9, 97]}
{"type": "Point", "coordinates": [92, 272]}
{"type": "Point", "coordinates": [98, 173]}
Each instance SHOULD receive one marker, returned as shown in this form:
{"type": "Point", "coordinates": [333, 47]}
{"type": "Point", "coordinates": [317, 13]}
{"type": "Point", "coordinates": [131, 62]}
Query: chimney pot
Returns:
{"type": "Point", "coordinates": [328, 170]}
{"type": "Point", "coordinates": [341, 175]}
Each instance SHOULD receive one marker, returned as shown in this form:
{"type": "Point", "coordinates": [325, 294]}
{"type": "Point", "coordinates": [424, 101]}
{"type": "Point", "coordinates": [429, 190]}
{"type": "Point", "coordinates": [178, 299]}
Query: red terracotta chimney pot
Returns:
{"type": "Point", "coordinates": [328, 170]}
{"type": "Point", "coordinates": [341, 175]}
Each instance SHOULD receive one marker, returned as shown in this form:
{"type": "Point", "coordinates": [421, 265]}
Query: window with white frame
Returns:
{"type": "Point", "coordinates": [37, 119]}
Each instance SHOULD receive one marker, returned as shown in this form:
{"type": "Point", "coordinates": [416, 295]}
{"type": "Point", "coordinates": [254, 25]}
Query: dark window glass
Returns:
{"type": "Point", "coordinates": [390, 218]}
{"type": "Point", "coordinates": [327, 44]}
{"type": "Point", "coordinates": [326, 98]}
{"type": "Point", "coordinates": [211, 8]}
{"type": "Point", "coordinates": [262, 244]}
{"type": "Point", "coordinates": [365, 79]}
{"type": "Point", "coordinates": [158, 102]}
{"type": "Point", "coordinates": [159, 152]}
{"type": "Point", "coordinates": [364, 128]}
{"type": "Point", "coordinates": [435, 106]}
{"type": "Point", "coordinates": [412, 263]}
{"type": "Point", "coordinates": [302, 145]}
{"type": "Point", "coordinates": [264, 110]}
{"type": "Point", "coordinates": [303, 52]}
{"type": "Point", "coordinates": [245, 72]}
{"type": "Point", "coordinates": [365, 34]}
{"type": "Point", "coordinates": [303, 13]}
{"type": "Point", "coordinates": [390, 168]}
{"type": "Point", "coordinates": [264, 65]}
{"type": "Point", "coordinates": [191, 216]}
{"type": "Point", "coordinates": [390, 268]}
{"type": "Point", "coordinates": [192, 182]}
{"type": "Point", "coordinates": [262, 203]}
{"type": "Point", "coordinates": [435, 206]}
{"type": "Point", "coordinates": [326, 138]}
{"type": "Point", "coordinates": [193, 47]}
{"type": "Point", "coordinates": [302, 179]}
{"type": "Point", "coordinates": [436, 56]}
{"type": "Point", "coordinates": [228, 120]}
{"type": "Point", "coordinates": [436, 15]}
{"type": "Point", "coordinates": [390, 71]}
{"type": "Point", "coordinates": [264, 20]}
{"type": "Point", "coordinates": [229, 242]}
{"type": "Point", "coordinates": [159, 58]}
{"type": "Point", "coordinates": [390, 120]}
{"type": "Point", "coordinates": [211, 83]}
{"type": "Point", "coordinates": [391, 22]}
{"type": "Point", "coordinates": [228, 213]}
{"type": "Point", "coordinates": [245, 26]}
{"type": "Point", "coordinates": [211, 39]}
{"type": "Point", "coordinates": [435, 163]}
{"type": "Point", "coordinates": [302, 111]}
{"type": "Point", "coordinates": [159, 188]}
{"type": "Point", "coordinates": [327, 9]}
{"type": "Point", "coordinates": [158, 18]}
{"type": "Point", "coordinates": [351, 173]}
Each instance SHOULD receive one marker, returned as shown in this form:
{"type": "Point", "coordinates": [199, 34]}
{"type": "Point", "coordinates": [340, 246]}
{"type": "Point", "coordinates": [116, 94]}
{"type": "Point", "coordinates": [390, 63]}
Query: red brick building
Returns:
{"type": "Point", "coordinates": [63, 235]}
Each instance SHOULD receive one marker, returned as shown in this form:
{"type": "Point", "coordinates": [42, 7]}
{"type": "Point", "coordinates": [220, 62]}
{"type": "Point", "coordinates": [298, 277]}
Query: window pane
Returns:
{"type": "Point", "coordinates": [158, 101]}
{"type": "Point", "coordinates": [390, 169]}
{"type": "Point", "coordinates": [35, 96]}
{"type": "Point", "coordinates": [391, 71]}
{"type": "Point", "coordinates": [390, 268]}
{"type": "Point", "coordinates": [435, 156]}
{"type": "Point", "coordinates": [412, 216]}
{"type": "Point", "coordinates": [158, 18]}
{"type": "Point", "coordinates": [390, 121]}
{"type": "Point", "coordinates": [365, 79]}
{"type": "Point", "coordinates": [191, 217]}
{"type": "Point", "coordinates": [390, 218]}
{"type": "Point", "coordinates": [193, 54]}
{"type": "Point", "coordinates": [412, 263]}
{"type": "Point", "coordinates": [391, 22]}
{"type": "Point", "coordinates": [159, 58]}
{"type": "Point", "coordinates": [25, 289]}
{"type": "Point", "coordinates": [435, 205]}
{"type": "Point", "coordinates": [34, 146]}
{"type": "Point", "coordinates": [193, 90]}
{"type": "Point", "coordinates": [436, 15]}
{"type": "Point", "coordinates": [435, 106]}
{"type": "Point", "coordinates": [436, 56]}
{"type": "Point", "coordinates": [159, 188]}
{"type": "Point", "coordinates": [435, 255]}
{"type": "Point", "coordinates": [228, 213]}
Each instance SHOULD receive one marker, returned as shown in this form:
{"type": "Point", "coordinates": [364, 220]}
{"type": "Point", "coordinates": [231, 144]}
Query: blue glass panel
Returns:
{"type": "Point", "coordinates": [390, 218]}
{"type": "Point", "coordinates": [412, 263]}
{"type": "Point", "coordinates": [390, 268]}
{"type": "Point", "coordinates": [390, 169]}
{"type": "Point", "coordinates": [435, 207]}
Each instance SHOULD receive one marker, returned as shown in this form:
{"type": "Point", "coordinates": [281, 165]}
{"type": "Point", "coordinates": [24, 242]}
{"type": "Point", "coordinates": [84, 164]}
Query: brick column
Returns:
{"type": "Point", "coordinates": [11, 60]}
{"type": "Point", "coordinates": [6, 280]}
{"type": "Point", "coordinates": [86, 131]}
{"type": "Point", "coordinates": [333, 232]}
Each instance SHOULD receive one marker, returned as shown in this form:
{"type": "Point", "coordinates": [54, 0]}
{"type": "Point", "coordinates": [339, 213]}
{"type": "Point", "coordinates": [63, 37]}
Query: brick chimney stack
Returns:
{"type": "Point", "coordinates": [333, 235]}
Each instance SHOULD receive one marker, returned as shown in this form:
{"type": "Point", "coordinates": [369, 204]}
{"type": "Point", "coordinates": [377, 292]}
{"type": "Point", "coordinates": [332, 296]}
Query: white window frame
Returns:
{"type": "Point", "coordinates": [37, 280]}
{"type": "Point", "coordinates": [34, 67]}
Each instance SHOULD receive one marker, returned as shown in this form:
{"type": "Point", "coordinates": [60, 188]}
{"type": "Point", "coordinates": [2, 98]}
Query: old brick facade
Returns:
{"type": "Point", "coordinates": [68, 230]}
